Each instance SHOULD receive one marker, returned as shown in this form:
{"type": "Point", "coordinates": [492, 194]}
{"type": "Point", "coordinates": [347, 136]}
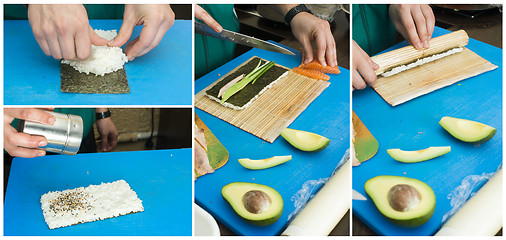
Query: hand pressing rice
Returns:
{"type": "Point", "coordinates": [95, 202]}
{"type": "Point", "coordinates": [103, 59]}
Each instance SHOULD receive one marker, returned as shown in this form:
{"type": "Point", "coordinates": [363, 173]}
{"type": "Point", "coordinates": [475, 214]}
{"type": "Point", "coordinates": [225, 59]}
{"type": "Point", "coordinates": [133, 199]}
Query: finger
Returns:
{"type": "Point", "coordinates": [158, 38]}
{"type": "Point", "coordinates": [321, 47]}
{"type": "Point", "coordinates": [411, 31]}
{"type": "Point", "coordinates": [358, 82]}
{"type": "Point", "coordinates": [17, 139]}
{"type": "Point", "coordinates": [201, 14]}
{"type": "Point", "coordinates": [105, 142]}
{"type": "Point", "coordinates": [113, 141]}
{"type": "Point", "coordinates": [67, 46]}
{"type": "Point", "coordinates": [307, 49]}
{"type": "Point", "coordinates": [331, 55]}
{"type": "Point", "coordinates": [24, 152]}
{"type": "Point", "coordinates": [43, 45]}
{"type": "Point", "coordinates": [430, 20]}
{"type": "Point", "coordinates": [32, 114]}
{"type": "Point", "coordinates": [124, 33]}
{"type": "Point", "coordinates": [54, 46]}
{"type": "Point", "coordinates": [145, 41]}
{"type": "Point", "coordinates": [83, 44]}
{"type": "Point", "coordinates": [421, 27]}
{"type": "Point", "coordinates": [367, 73]}
{"type": "Point", "coordinates": [95, 39]}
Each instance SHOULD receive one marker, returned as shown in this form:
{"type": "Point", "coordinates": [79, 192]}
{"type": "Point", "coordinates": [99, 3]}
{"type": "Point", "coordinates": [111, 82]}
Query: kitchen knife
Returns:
{"type": "Point", "coordinates": [238, 38]}
{"type": "Point", "coordinates": [357, 196]}
{"type": "Point", "coordinates": [364, 143]}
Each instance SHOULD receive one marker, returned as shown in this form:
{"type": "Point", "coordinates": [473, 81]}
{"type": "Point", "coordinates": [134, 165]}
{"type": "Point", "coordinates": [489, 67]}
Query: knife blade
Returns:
{"type": "Point", "coordinates": [238, 38]}
{"type": "Point", "coordinates": [357, 196]}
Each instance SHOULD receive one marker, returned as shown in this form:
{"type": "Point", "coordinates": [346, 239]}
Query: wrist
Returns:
{"type": "Point", "coordinates": [103, 115]}
{"type": "Point", "coordinates": [296, 11]}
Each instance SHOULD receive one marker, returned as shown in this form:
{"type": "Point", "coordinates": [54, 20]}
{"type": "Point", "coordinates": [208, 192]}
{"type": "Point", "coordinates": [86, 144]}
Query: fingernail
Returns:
{"type": "Point", "coordinates": [42, 143]}
{"type": "Point", "coordinates": [418, 45]}
{"type": "Point", "coordinates": [426, 44]}
{"type": "Point", "coordinates": [131, 58]}
{"type": "Point", "coordinates": [220, 28]}
{"type": "Point", "coordinates": [110, 42]}
{"type": "Point", "coordinates": [306, 61]}
{"type": "Point", "coordinates": [41, 153]}
{"type": "Point", "coordinates": [375, 66]}
{"type": "Point", "coordinates": [51, 120]}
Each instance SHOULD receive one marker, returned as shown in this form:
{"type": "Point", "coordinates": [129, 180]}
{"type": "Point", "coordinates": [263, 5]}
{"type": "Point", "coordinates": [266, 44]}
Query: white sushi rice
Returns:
{"type": "Point", "coordinates": [95, 202]}
{"type": "Point", "coordinates": [421, 61]}
{"type": "Point", "coordinates": [226, 104]}
{"type": "Point", "coordinates": [103, 59]}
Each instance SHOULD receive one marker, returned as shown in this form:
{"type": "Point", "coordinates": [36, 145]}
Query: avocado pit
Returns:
{"type": "Point", "coordinates": [403, 197]}
{"type": "Point", "coordinates": [256, 201]}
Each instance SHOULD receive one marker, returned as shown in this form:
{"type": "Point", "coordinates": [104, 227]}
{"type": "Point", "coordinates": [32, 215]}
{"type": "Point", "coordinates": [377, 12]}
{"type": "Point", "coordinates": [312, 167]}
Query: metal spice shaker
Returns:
{"type": "Point", "coordinates": [63, 137]}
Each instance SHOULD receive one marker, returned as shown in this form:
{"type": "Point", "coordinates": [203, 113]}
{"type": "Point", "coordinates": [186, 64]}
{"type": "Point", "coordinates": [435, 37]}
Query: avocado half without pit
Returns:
{"type": "Point", "coordinates": [258, 204]}
{"type": "Point", "coordinates": [305, 141]}
{"type": "Point", "coordinates": [404, 201]}
{"type": "Point", "coordinates": [467, 130]}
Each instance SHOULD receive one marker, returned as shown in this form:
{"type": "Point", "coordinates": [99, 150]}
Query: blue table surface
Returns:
{"type": "Point", "coordinates": [414, 125]}
{"type": "Point", "coordinates": [161, 77]}
{"type": "Point", "coordinates": [162, 179]}
{"type": "Point", "coordinates": [327, 115]}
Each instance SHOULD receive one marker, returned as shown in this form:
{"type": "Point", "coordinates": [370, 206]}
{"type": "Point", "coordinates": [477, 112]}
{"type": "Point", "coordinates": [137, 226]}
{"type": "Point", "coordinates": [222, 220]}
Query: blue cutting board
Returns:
{"type": "Point", "coordinates": [161, 77]}
{"type": "Point", "coordinates": [413, 125]}
{"type": "Point", "coordinates": [327, 115]}
{"type": "Point", "coordinates": [162, 179]}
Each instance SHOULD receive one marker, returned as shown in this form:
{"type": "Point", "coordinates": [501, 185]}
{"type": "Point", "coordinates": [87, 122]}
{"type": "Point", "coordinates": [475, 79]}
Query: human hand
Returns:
{"type": "Point", "coordinates": [21, 144]}
{"type": "Point", "coordinates": [155, 19]}
{"type": "Point", "coordinates": [415, 22]}
{"type": "Point", "coordinates": [362, 68]}
{"type": "Point", "coordinates": [108, 133]}
{"type": "Point", "coordinates": [63, 30]}
{"type": "Point", "coordinates": [307, 28]}
{"type": "Point", "coordinates": [202, 15]}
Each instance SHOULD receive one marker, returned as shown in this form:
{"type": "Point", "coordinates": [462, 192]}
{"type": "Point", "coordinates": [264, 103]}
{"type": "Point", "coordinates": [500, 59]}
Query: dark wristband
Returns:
{"type": "Point", "coordinates": [103, 115]}
{"type": "Point", "coordinates": [294, 11]}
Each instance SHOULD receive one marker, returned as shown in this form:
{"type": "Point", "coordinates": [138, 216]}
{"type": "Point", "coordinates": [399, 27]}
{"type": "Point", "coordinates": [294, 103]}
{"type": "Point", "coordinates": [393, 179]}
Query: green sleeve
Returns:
{"type": "Point", "coordinates": [372, 29]}
{"type": "Point", "coordinates": [95, 11]}
{"type": "Point", "coordinates": [211, 53]}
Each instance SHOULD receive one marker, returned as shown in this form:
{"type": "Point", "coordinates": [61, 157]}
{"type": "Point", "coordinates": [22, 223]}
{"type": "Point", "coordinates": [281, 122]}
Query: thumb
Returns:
{"type": "Point", "coordinates": [124, 34]}
{"type": "Point", "coordinates": [96, 39]}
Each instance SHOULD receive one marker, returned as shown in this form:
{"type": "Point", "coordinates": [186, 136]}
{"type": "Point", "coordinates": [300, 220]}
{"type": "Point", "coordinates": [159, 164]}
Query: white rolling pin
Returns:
{"type": "Point", "coordinates": [481, 215]}
{"type": "Point", "coordinates": [322, 213]}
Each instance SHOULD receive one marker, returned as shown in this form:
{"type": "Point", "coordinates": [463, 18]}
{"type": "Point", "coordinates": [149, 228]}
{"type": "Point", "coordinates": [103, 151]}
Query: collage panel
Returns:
{"type": "Point", "coordinates": [428, 129]}
{"type": "Point", "coordinates": [132, 170]}
{"type": "Point", "coordinates": [143, 65]}
{"type": "Point", "coordinates": [114, 158]}
{"type": "Point", "coordinates": [272, 120]}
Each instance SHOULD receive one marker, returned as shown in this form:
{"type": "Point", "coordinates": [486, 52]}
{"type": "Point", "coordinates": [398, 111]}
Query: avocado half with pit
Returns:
{"type": "Point", "coordinates": [305, 141]}
{"type": "Point", "coordinates": [419, 155]}
{"type": "Point", "coordinates": [258, 204]}
{"type": "Point", "coordinates": [404, 201]}
{"type": "Point", "coordinates": [264, 163]}
{"type": "Point", "coordinates": [467, 130]}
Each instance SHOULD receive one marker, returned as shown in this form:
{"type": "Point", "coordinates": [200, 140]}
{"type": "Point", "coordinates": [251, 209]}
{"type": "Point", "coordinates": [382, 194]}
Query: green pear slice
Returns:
{"type": "Point", "coordinates": [305, 141]}
{"type": "Point", "coordinates": [467, 130]}
{"type": "Point", "coordinates": [264, 163]}
{"type": "Point", "coordinates": [418, 156]}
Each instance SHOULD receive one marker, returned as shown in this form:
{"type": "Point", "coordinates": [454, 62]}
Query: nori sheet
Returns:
{"type": "Point", "coordinates": [75, 82]}
{"type": "Point", "coordinates": [251, 90]}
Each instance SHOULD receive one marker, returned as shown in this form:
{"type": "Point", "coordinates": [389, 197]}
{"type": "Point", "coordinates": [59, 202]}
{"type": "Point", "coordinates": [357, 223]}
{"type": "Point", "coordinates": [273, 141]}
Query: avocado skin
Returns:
{"type": "Point", "coordinates": [263, 222]}
{"type": "Point", "coordinates": [415, 222]}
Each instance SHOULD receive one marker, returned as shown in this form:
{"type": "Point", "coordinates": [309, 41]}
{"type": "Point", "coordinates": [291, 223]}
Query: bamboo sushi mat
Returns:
{"type": "Point", "coordinates": [429, 77]}
{"type": "Point", "coordinates": [274, 110]}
